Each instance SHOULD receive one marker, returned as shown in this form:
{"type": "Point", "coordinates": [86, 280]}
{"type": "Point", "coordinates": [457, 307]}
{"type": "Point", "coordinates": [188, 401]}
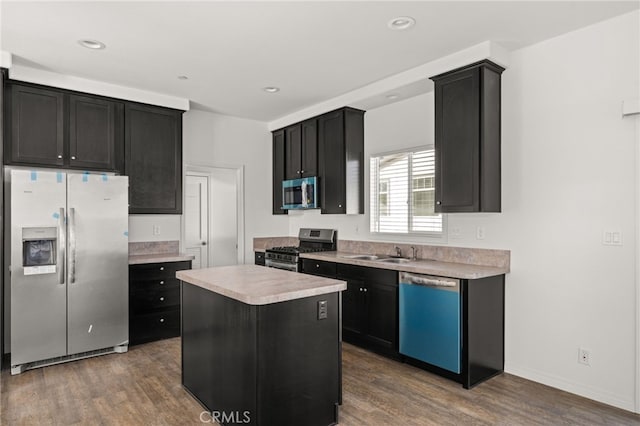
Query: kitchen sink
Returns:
{"type": "Point", "coordinates": [395, 260]}
{"type": "Point", "coordinates": [361, 256]}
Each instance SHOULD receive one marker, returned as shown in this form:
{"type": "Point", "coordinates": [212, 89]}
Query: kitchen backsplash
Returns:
{"type": "Point", "coordinates": [153, 247]}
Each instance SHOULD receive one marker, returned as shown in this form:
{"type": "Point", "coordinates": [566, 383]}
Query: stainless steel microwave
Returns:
{"type": "Point", "coordinates": [300, 193]}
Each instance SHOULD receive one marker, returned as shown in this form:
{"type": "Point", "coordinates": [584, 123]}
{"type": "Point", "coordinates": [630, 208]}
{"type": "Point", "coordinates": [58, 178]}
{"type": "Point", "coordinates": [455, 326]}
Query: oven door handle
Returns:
{"type": "Point", "coordinates": [281, 265]}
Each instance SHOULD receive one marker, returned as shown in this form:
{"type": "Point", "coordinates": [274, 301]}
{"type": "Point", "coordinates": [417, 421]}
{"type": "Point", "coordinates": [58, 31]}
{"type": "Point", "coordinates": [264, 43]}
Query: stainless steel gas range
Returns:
{"type": "Point", "coordinates": [311, 240]}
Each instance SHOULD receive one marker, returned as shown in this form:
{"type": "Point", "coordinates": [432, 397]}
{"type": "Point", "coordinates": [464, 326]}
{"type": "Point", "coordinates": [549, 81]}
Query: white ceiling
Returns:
{"type": "Point", "coordinates": [313, 51]}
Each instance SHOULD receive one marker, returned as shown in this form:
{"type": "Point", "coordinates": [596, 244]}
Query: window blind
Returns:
{"type": "Point", "coordinates": [403, 193]}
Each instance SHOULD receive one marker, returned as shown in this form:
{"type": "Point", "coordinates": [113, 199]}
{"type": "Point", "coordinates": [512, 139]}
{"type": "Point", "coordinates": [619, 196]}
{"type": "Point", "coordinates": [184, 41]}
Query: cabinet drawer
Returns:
{"type": "Point", "coordinates": [149, 271]}
{"type": "Point", "coordinates": [319, 267]}
{"type": "Point", "coordinates": [155, 326]}
{"type": "Point", "coordinates": [153, 300]}
{"type": "Point", "coordinates": [153, 284]}
{"type": "Point", "coordinates": [259, 258]}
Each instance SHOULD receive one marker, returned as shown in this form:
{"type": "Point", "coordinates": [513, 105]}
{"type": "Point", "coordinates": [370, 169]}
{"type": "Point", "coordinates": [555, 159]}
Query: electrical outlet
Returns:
{"type": "Point", "coordinates": [454, 232]}
{"type": "Point", "coordinates": [611, 237]}
{"type": "Point", "coordinates": [156, 229]}
{"type": "Point", "coordinates": [480, 233]}
{"type": "Point", "coordinates": [584, 356]}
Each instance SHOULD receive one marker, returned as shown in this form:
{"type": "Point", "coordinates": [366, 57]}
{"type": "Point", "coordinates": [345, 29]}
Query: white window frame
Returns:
{"type": "Point", "coordinates": [412, 235]}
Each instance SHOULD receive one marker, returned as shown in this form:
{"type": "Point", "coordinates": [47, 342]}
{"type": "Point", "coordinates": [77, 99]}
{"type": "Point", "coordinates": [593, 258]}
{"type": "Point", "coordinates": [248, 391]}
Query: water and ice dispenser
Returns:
{"type": "Point", "coordinates": [39, 250]}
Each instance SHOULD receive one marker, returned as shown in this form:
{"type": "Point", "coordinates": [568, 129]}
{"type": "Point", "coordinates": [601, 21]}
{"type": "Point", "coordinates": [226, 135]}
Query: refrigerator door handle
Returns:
{"type": "Point", "coordinates": [72, 245]}
{"type": "Point", "coordinates": [62, 246]}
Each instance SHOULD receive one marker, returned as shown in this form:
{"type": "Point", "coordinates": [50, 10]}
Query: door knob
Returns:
{"type": "Point", "coordinates": [162, 299]}
{"type": "Point", "coordinates": [59, 156]}
{"type": "Point", "coordinates": [204, 243]}
{"type": "Point", "coordinates": [73, 157]}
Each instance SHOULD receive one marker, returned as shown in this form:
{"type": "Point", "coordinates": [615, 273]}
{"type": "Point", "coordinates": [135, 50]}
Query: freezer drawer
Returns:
{"type": "Point", "coordinates": [430, 320]}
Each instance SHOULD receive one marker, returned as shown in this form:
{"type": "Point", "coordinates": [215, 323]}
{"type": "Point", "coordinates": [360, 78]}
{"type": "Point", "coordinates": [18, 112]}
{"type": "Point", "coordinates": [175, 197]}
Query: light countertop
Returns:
{"type": "Point", "coordinates": [137, 259]}
{"type": "Point", "coordinates": [420, 266]}
{"type": "Point", "coordinates": [257, 285]}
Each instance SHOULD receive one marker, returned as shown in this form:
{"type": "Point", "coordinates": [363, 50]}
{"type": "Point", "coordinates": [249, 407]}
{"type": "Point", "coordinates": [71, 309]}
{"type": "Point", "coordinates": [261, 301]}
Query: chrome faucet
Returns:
{"type": "Point", "coordinates": [398, 251]}
{"type": "Point", "coordinates": [413, 253]}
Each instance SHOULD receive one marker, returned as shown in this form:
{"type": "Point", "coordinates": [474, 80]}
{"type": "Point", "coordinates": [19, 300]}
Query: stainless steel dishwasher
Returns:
{"type": "Point", "coordinates": [430, 319]}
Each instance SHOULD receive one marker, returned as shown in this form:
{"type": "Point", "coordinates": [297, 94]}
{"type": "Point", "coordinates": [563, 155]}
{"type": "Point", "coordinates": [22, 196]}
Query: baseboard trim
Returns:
{"type": "Point", "coordinates": [625, 403]}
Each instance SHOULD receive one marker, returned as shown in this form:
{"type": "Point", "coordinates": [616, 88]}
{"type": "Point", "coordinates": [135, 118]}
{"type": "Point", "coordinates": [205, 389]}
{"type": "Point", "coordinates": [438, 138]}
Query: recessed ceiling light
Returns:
{"type": "Point", "coordinates": [92, 44]}
{"type": "Point", "coordinates": [183, 77]}
{"type": "Point", "coordinates": [271, 89]}
{"type": "Point", "coordinates": [392, 96]}
{"type": "Point", "coordinates": [401, 23]}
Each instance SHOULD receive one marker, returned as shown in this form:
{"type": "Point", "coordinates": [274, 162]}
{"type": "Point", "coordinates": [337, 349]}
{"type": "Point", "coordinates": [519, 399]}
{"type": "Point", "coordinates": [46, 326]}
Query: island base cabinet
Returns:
{"type": "Point", "coordinates": [275, 364]}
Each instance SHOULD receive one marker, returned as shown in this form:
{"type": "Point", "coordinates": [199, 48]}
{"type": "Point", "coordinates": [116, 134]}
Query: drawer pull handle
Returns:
{"type": "Point", "coordinates": [317, 265]}
{"type": "Point", "coordinates": [162, 268]}
{"type": "Point", "coordinates": [161, 282]}
{"type": "Point", "coordinates": [162, 299]}
{"type": "Point", "coordinates": [161, 319]}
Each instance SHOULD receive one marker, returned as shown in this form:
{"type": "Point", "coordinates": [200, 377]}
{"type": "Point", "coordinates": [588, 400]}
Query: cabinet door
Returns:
{"type": "Point", "coordinates": [278, 171]}
{"type": "Point", "coordinates": [457, 133]}
{"type": "Point", "coordinates": [153, 160]}
{"type": "Point", "coordinates": [332, 162]}
{"type": "Point", "coordinates": [37, 126]}
{"type": "Point", "coordinates": [381, 314]}
{"type": "Point", "coordinates": [95, 133]}
{"type": "Point", "coordinates": [293, 151]}
{"type": "Point", "coordinates": [352, 304]}
{"type": "Point", "coordinates": [309, 143]}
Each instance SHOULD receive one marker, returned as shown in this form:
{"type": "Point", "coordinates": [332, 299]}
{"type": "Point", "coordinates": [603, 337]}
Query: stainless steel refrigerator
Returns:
{"type": "Point", "coordinates": [68, 268]}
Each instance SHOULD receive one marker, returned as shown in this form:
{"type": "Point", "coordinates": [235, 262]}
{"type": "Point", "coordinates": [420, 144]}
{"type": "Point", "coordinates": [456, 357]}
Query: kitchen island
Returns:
{"type": "Point", "coordinates": [261, 346]}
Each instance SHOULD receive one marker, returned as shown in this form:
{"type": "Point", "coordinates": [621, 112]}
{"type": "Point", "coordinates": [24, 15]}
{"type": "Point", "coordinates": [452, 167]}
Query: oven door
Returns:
{"type": "Point", "coordinates": [281, 265]}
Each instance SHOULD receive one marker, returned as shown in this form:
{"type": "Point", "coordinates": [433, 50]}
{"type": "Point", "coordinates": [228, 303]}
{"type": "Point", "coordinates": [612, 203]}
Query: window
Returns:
{"type": "Point", "coordinates": [383, 197]}
{"type": "Point", "coordinates": [403, 193]}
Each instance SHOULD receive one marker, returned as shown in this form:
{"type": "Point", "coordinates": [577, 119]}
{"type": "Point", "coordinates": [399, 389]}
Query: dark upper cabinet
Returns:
{"type": "Point", "coordinates": [278, 171]}
{"type": "Point", "coordinates": [35, 126]}
{"type": "Point", "coordinates": [153, 159]}
{"type": "Point", "coordinates": [301, 150]}
{"type": "Point", "coordinates": [56, 128]}
{"type": "Point", "coordinates": [467, 139]}
{"type": "Point", "coordinates": [341, 161]}
{"type": "Point", "coordinates": [96, 130]}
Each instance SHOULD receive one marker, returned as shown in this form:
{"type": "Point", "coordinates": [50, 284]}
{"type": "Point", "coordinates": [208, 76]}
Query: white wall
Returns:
{"type": "Point", "coordinates": [141, 227]}
{"type": "Point", "coordinates": [217, 140]}
{"type": "Point", "coordinates": [568, 174]}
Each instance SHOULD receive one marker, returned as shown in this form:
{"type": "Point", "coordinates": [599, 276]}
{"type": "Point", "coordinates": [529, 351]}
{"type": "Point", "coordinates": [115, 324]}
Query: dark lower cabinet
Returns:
{"type": "Point", "coordinates": [274, 364]}
{"type": "Point", "coordinates": [370, 318]}
{"type": "Point", "coordinates": [259, 258]}
{"type": "Point", "coordinates": [154, 301]}
{"type": "Point", "coordinates": [370, 308]}
{"type": "Point", "coordinates": [153, 159]}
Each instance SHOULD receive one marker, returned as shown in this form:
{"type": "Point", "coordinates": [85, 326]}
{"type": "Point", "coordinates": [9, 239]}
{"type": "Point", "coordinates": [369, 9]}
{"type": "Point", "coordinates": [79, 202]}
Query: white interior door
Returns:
{"type": "Point", "coordinates": [196, 213]}
{"type": "Point", "coordinates": [224, 217]}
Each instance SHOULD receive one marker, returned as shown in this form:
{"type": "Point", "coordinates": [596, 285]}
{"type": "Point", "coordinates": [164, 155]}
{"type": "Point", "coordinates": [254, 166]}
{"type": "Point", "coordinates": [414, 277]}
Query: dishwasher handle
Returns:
{"type": "Point", "coordinates": [429, 281]}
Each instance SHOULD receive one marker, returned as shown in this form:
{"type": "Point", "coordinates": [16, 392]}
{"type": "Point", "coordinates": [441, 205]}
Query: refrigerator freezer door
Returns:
{"type": "Point", "coordinates": [38, 300]}
{"type": "Point", "coordinates": [98, 262]}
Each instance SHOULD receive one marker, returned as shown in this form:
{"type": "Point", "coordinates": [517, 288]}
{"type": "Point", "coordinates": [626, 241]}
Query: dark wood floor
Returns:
{"type": "Point", "coordinates": [142, 387]}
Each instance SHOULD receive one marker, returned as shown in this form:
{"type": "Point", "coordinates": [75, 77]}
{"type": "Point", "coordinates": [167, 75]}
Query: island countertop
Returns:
{"type": "Point", "coordinates": [257, 285]}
